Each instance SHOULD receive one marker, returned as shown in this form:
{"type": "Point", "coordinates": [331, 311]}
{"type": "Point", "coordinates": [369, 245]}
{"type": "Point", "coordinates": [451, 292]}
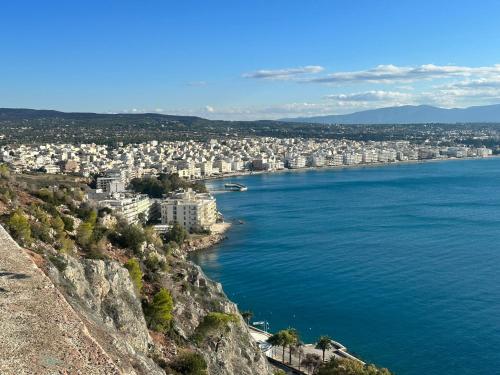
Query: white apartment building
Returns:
{"type": "Point", "coordinates": [129, 206]}
{"type": "Point", "coordinates": [190, 209]}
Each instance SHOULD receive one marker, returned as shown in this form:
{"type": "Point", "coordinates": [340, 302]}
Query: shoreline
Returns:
{"type": "Point", "coordinates": [219, 236]}
{"type": "Point", "coordinates": [337, 167]}
{"type": "Point", "coordinates": [204, 242]}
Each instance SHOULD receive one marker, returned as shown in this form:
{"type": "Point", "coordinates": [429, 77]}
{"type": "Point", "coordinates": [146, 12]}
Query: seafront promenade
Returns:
{"type": "Point", "coordinates": [230, 175]}
{"type": "Point", "coordinates": [274, 354]}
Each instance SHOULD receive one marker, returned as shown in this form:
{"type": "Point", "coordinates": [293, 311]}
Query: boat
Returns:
{"type": "Point", "coordinates": [235, 187]}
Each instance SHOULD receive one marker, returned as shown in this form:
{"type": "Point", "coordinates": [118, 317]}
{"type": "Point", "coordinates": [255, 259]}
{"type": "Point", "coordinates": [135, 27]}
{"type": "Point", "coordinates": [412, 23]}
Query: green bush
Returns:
{"type": "Point", "coordinates": [58, 262]}
{"type": "Point", "coordinates": [66, 245]}
{"type": "Point", "coordinates": [84, 234]}
{"type": "Point", "coordinates": [19, 227]}
{"type": "Point", "coordinates": [41, 231]}
{"type": "Point", "coordinates": [214, 323]}
{"type": "Point", "coordinates": [69, 223]}
{"type": "Point", "coordinates": [58, 225]}
{"type": "Point", "coordinates": [134, 269]}
{"type": "Point", "coordinates": [350, 367]}
{"type": "Point", "coordinates": [128, 236]}
{"type": "Point", "coordinates": [189, 363]}
{"type": "Point", "coordinates": [177, 233]}
{"type": "Point", "coordinates": [159, 311]}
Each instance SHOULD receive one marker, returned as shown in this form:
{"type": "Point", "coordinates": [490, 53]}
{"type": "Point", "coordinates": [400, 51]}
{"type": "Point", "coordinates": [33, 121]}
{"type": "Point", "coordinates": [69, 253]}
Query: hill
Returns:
{"type": "Point", "coordinates": [410, 114]}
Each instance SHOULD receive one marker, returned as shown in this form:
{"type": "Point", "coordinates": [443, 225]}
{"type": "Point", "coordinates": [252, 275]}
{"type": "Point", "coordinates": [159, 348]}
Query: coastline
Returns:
{"type": "Point", "coordinates": [219, 237]}
{"type": "Point", "coordinates": [338, 167]}
{"type": "Point", "coordinates": [203, 242]}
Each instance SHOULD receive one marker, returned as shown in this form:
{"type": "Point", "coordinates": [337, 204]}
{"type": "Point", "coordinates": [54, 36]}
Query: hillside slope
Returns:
{"type": "Point", "coordinates": [41, 333]}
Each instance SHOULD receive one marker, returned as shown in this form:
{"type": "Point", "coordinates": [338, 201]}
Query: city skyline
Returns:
{"type": "Point", "coordinates": [239, 61]}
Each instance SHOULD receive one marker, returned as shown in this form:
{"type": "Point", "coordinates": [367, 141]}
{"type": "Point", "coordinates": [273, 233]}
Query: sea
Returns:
{"type": "Point", "coordinates": [400, 263]}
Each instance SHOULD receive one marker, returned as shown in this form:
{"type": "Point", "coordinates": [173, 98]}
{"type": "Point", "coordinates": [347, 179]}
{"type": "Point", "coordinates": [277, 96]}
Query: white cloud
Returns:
{"type": "Point", "coordinates": [372, 96]}
{"type": "Point", "coordinates": [197, 83]}
{"type": "Point", "coordinates": [210, 109]}
{"type": "Point", "coordinates": [284, 74]}
{"type": "Point", "coordinates": [393, 73]}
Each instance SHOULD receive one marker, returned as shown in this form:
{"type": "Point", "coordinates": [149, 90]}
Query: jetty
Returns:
{"type": "Point", "coordinates": [274, 354]}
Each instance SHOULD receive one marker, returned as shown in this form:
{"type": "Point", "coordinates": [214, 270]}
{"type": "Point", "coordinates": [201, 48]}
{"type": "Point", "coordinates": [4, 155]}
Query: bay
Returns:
{"type": "Point", "coordinates": [400, 263]}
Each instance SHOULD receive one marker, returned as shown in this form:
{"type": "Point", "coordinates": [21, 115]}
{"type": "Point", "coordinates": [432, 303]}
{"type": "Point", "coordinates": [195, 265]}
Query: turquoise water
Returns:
{"type": "Point", "coordinates": [400, 263]}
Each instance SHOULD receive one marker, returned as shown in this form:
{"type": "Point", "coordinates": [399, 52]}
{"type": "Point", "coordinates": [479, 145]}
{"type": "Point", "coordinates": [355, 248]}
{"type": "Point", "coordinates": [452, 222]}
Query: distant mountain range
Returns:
{"type": "Point", "coordinates": [410, 114]}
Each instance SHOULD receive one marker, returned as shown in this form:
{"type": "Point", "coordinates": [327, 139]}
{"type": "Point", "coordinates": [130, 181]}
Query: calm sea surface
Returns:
{"type": "Point", "coordinates": [400, 263]}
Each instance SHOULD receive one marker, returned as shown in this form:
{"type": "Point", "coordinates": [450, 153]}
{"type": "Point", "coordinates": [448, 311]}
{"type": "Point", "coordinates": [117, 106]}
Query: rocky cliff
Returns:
{"type": "Point", "coordinates": [196, 296]}
{"type": "Point", "coordinates": [85, 318]}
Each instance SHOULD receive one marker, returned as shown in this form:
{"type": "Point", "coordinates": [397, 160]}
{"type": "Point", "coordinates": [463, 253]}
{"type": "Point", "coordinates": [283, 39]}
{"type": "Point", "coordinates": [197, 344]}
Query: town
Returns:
{"type": "Point", "coordinates": [114, 168]}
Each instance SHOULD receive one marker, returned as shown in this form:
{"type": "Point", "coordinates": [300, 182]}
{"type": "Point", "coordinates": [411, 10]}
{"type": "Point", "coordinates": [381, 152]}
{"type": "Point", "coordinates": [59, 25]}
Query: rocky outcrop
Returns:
{"type": "Point", "coordinates": [83, 317]}
{"type": "Point", "coordinates": [41, 333]}
{"type": "Point", "coordinates": [195, 297]}
{"type": "Point", "coordinates": [103, 295]}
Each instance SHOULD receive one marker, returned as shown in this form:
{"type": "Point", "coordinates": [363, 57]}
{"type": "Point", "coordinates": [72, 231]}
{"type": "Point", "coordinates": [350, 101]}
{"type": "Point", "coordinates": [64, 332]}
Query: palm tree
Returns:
{"type": "Point", "coordinates": [292, 338]}
{"type": "Point", "coordinates": [300, 350]}
{"type": "Point", "coordinates": [324, 343]}
{"type": "Point", "coordinates": [277, 340]}
{"type": "Point", "coordinates": [247, 315]}
{"type": "Point", "coordinates": [311, 362]}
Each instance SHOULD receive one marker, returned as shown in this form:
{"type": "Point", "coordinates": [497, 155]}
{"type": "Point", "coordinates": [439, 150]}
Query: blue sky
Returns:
{"type": "Point", "coordinates": [248, 59]}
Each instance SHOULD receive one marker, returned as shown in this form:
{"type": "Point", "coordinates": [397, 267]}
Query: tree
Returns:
{"type": "Point", "coordinates": [58, 225]}
{"type": "Point", "coordinates": [177, 233]}
{"type": "Point", "coordinates": [134, 269]}
{"type": "Point", "coordinates": [189, 363]}
{"type": "Point", "coordinates": [19, 227]}
{"type": "Point", "coordinates": [84, 234]}
{"type": "Point", "coordinates": [247, 315]}
{"type": "Point", "coordinates": [299, 347]}
{"type": "Point", "coordinates": [133, 237]}
{"type": "Point", "coordinates": [350, 367]}
{"type": "Point", "coordinates": [159, 312]}
{"type": "Point", "coordinates": [283, 339]}
{"type": "Point", "coordinates": [291, 338]}
{"type": "Point", "coordinates": [311, 362]}
{"type": "Point", "coordinates": [324, 343]}
{"type": "Point", "coordinates": [214, 326]}
{"type": "Point", "coordinates": [66, 245]}
{"type": "Point", "coordinates": [69, 223]}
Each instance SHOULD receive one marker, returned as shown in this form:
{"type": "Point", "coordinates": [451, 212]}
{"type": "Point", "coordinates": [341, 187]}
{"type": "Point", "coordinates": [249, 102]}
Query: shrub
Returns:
{"type": "Point", "coordinates": [66, 245]}
{"type": "Point", "coordinates": [84, 234]}
{"type": "Point", "coordinates": [350, 367]}
{"type": "Point", "coordinates": [159, 311]}
{"type": "Point", "coordinates": [132, 236]}
{"type": "Point", "coordinates": [177, 233]}
{"type": "Point", "coordinates": [214, 323]}
{"type": "Point", "coordinates": [69, 223]}
{"type": "Point", "coordinates": [41, 231]}
{"type": "Point", "coordinates": [134, 269]}
{"type": "Point", "coordinates": [58, 225]}
{"type": "Point", "coordinates": [19, 227]}
{"type": "Point", "coordinates": [58, 262]}
{"type": "Point", "coordinates": [189, 363]}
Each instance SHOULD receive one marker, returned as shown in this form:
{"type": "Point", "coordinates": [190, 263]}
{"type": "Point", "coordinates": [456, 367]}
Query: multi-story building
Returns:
{"type": "Point", "coordinates": [131, 207]}
{"type": "Point", "coordinates": [190, 209]}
